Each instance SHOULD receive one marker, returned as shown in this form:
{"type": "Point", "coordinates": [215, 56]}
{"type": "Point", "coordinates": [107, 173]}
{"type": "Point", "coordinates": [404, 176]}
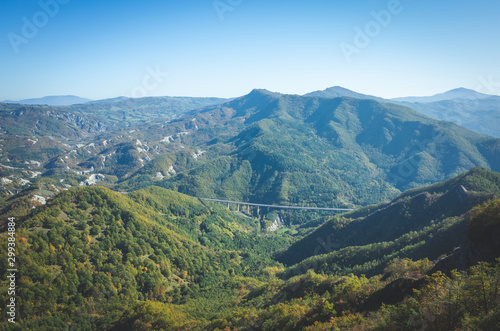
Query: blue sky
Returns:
{"type": "Point", "coordinates": [101, 49]}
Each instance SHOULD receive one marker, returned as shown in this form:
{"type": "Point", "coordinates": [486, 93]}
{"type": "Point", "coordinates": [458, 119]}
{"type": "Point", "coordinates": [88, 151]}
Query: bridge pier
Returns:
{"type": "Point", "coordinates": [238, 207]}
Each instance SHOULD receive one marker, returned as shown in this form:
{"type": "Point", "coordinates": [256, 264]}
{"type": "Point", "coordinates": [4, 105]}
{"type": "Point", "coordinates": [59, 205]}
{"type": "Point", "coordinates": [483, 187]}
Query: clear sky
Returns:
{"type": "Point", "coordinates": [108, 48]}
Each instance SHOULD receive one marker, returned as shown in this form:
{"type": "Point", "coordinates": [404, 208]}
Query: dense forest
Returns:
{"type": "Point", "coordinates": [262, 147]}
{"type": "Point", "coordinates": [156, 259]}
{"type": "Point", "coordinates": [185, 166]}
{"type": "Point", "coordinates": [112, 233]}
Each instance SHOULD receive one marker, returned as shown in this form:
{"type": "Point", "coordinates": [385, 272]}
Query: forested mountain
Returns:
{"type": "Point", "coordinates": [152, 258]}
{"type": "Point", "coordinates": [263, 147]}
{"type": "Point", "coordinates": [427, 222]}
{"type": "Point", "coordinates": [338, 152]}
{"type": "Point", "coordinates": [156, 259]}
{"type": "Point", "coordinates": [473, 110]}
{"type": "Point", "coordinates": [480, 115]}
{"type": "Point", "coordinates": [90, 250]}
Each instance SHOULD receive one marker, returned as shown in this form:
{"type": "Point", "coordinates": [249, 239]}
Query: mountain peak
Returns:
{"type": "Point", "coordinates": [338, 92]}
{"type": "Point", "coordinates": [461, 89]}
{"type": "Point", "coordinates": [462, 93]}
{"type": "Point", "coordinates": [457, 93]}
{"type": "Point", "coordinates": [338, 88]}
{"type": "Point", "coordinates": [261, 92]}
{"type": "Point", "coordinates": [258, 96]}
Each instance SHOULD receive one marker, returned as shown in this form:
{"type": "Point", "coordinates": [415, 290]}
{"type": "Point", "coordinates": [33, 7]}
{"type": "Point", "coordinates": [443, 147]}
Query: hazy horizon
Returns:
{"type": "Point", "coordinates": [236, 96]}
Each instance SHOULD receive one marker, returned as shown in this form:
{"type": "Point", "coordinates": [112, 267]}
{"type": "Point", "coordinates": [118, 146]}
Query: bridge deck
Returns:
{"type": "Point", "coordinates": [275, 206]}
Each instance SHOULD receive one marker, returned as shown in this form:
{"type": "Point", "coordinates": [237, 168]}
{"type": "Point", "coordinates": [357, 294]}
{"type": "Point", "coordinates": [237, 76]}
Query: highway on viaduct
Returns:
{"type": "Point", "coordinates": [238, 203]}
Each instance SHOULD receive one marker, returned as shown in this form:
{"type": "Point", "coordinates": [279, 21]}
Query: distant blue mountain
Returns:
{"type": "Point", "coordinates": [473, 110]}
{"type": "Point", "coordinates": [459, 93]}
{"type": "Point", "coordinates": [56, 100]}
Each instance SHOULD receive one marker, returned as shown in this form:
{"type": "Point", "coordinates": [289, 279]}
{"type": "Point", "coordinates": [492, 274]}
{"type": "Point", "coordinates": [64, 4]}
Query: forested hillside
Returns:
{"type": "Point", "coordinates": [262, 147]}
{"type": "Point", "coordinates": [150, 257]}
{"type": "Point", "coordinates": [90, 251]}
{"type": "Point", "coordinates": [421, 216]}
{"type": "Point", "coordinates": [151, 179]}
{"type": "Point", "coordinates": [468, 108]}
{"type": "Point", "coordinates": [338, 152]}
{"type": "Point", "coordinates": [156, 259]}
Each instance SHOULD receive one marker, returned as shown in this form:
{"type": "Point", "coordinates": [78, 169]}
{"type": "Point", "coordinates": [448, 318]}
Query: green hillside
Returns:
{"type": "Point", "coordinates": [262, 147]}
{"type": "Point", "coordinates": [58, 142]}
{"type": "Point", "coordinates": [425, 222]}
{"type": "Point", "coordinates": [325, 152]}
{"type": "Point", "coordinates": [151, 257]}
{"type": "Point", "coordinates": [155, 259]}
{"type": "Point", "coordinates": [90, 251]}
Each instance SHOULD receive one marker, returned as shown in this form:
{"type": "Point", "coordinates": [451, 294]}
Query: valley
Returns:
{"type": "Point", "coordinates": [328, 211]}
{"type": "Point", "coordinates": [234, 165]}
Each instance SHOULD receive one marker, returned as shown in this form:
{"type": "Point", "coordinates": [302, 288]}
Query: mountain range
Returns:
{"type": "Point", "coordinates": [437, 212]}
{"type": "Point", "coordinates": [113, 233]}
{"type": "Point", "coordinates": [458, 93]}
{"type": "Point", "coordinates": [277, 147]}
{"type": "Point", "coordinates": [471, 109]}
{"type": "Point", "coordinates": [262, 147]}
